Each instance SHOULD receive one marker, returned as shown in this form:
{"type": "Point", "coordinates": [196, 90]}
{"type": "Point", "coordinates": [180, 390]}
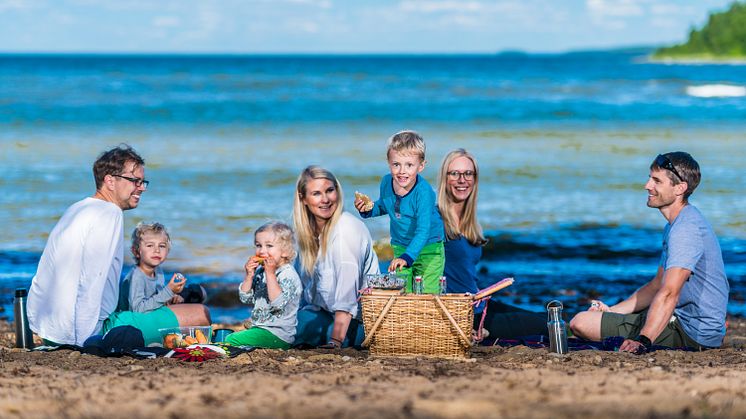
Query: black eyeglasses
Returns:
{"type": "Point", "coordinates": [455, 174]}
{"type": "Point", "coordinates": [136, 180]}
{"type": "Point", "coordinates": [665, 163]}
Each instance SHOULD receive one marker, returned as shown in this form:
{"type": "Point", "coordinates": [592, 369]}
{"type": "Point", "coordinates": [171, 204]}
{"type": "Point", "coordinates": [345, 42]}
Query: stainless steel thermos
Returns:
{"type": "Point", "coordinates": [556, 326]}
{"type": "Point", "coordinates": [24, 337]}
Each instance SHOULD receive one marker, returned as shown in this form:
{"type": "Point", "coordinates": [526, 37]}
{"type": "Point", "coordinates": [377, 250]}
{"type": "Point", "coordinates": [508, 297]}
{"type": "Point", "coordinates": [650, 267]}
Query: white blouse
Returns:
{"type": "Point", "coordinates": [340, 274]}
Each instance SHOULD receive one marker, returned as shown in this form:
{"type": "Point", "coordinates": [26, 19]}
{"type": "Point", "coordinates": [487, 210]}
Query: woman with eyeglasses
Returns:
{"type": "Point", "coordinates": [458, 187]}
{"type": "Point", "coordinates": [336, 252]}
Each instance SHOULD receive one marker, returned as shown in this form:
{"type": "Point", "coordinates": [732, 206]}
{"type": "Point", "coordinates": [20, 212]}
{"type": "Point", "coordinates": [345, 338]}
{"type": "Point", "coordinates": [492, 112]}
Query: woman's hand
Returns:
{"type": "Point", "coordinates": [177, 282]}
{"type": "Point", "coordinates": [332, 344]}
{"type": "Point", "coordinates": [598, 305]}
{"type": "Point", "coordinates": [397, 264]}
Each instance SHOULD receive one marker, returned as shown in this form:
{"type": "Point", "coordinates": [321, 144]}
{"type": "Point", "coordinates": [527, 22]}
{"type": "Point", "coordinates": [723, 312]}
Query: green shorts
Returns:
{"type": "Point", "coordinates": [629, 326]}
{"type": "Point", "coordinates": [429, 265]}
{"type": "Point", "coordinates": [258, 338]}
{"type": "Point", "coordinates": [148, 323]}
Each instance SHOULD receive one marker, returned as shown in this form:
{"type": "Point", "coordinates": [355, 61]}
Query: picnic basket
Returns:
{"type": "Point", "coordinates": [409, 325]}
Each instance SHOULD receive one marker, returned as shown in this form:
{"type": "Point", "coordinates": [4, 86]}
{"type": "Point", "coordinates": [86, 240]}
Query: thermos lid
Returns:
{"type": "Point", "coordinates": [21, 292]}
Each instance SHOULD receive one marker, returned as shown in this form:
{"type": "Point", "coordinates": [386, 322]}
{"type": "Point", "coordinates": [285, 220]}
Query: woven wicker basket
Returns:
{"type": "Point", "coordinates": [417, 325]}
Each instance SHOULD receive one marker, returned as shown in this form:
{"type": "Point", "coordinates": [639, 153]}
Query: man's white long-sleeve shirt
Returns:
{"type": "Point", "coordinates": [76, 286]}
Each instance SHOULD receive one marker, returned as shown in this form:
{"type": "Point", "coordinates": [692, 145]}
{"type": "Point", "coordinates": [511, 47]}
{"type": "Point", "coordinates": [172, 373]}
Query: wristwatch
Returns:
{"type": "Point", "coordinates": [644, 340]}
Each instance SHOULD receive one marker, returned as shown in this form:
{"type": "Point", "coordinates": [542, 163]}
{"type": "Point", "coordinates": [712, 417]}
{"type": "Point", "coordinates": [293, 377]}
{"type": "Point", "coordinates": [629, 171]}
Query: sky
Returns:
{"type": "Point", "coordinates": [345, 26]}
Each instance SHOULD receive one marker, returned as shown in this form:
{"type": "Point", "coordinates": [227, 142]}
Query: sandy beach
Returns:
{"type": "Point", "coordinates": [494, 382]}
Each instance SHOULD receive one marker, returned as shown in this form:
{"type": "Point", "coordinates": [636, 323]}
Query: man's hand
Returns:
{"type": "Point", "coordinates": [598, 305]}
{"type": "Point", "coordinates": [633, 346]}
{"type": "Point", "coordinates": [177, 283]}
{"type": "Point", "coordinates": [396, 264]}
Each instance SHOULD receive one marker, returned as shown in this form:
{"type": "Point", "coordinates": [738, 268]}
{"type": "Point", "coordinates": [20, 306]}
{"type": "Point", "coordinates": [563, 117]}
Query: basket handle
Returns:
{"type": "Point", "coordinates": [385, 310]}
{"type": "Point", "coordinates": [461, 333]}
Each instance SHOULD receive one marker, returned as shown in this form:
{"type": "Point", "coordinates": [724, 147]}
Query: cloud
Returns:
{"type": "Point", "coordinates": [440, 6]}
{"type": "Point", "coordinates": [614, 8]}
{"type": "Point", "coordinates": [15, 5]}
{"type": "Point", "coordinates": [323, 4]}
{"type": "Point", "coordinates": [305, 26]}
{"type": "Point", "coordinates": [166, 21]}
{"type": "Point", "coordinates": [670, 9]}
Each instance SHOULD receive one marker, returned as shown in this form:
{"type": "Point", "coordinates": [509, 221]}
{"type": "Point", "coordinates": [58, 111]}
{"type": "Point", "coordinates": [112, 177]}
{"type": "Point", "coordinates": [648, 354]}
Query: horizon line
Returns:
{"type": "Point", "coordinates": [640, 48]}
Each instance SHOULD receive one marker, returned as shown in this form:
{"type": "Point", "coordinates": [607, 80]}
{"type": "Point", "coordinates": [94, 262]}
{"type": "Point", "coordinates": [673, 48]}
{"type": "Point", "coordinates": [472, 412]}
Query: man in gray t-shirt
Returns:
{"type": "Point", "coordinates": [685, 304]}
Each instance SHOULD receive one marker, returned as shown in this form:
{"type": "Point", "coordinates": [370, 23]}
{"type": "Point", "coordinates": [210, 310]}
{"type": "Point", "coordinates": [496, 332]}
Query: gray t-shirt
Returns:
{"type": "Point", "coordinates": [141, 293]}
{"type": "Point", "coordinates": [690, 243]}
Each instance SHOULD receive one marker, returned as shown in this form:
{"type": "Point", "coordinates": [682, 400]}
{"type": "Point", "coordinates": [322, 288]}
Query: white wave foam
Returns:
{"type": "Point", "coordinates": [716, 90]}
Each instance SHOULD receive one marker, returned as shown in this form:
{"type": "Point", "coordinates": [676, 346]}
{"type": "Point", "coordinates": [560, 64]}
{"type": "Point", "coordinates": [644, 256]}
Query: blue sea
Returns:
{"type": "Point", "coordinates": [564, 142]}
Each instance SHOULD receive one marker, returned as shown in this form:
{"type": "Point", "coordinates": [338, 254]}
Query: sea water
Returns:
{"type": "Point", "coordinates": [563, 142]}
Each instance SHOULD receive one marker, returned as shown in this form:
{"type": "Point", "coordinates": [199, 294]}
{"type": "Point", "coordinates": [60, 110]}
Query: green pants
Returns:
{"type": "Point", "coordinates": [429, 265]}
{"type": "Point", "coordinates": [258, 338]}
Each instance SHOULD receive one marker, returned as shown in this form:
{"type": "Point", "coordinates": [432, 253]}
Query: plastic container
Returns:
{"type": "Point", "coordinates": [221, 334]}
{"type": "Point", "coordinates": [387, 281]}
{"type": "Point", "coordinates": [181, 337]}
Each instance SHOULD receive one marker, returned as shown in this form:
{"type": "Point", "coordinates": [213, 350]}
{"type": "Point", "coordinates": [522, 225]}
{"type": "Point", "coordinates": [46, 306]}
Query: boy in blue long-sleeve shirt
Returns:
{"type": "Point", "coordinates": [416, 227]}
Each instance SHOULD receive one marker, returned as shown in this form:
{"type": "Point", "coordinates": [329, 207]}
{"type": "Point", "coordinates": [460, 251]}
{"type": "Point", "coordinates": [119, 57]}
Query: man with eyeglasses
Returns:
{"type": "Point", "coordinates": [685, 304]}
{"type": "Point", "coordinates": [76, 287]}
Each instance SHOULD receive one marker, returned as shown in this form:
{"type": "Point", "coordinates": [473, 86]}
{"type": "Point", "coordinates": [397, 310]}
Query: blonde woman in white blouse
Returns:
{"type": "Point", "coordinates": [336, 252]}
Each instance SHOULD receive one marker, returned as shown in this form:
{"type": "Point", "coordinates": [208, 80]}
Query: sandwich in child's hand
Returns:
{"type": "Point", "coordinates": [367, 202]}
{"type": "Point", "coordinates": [258, 260]}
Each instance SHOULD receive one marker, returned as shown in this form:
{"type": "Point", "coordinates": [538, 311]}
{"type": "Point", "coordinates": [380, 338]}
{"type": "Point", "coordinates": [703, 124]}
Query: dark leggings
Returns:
{"type": "Point", "coordinates": [510, 322]}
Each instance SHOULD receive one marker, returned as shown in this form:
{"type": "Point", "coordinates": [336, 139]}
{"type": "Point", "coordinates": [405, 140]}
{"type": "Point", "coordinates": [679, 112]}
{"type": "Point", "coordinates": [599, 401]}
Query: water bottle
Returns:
{"type": "Point", "coordinates": [556, 326]}
{"type": "Point", "coordinates": [443, 288]}
{"type": "Point", "coordinates": [418, 288]}
{"type": "Point", "coordinates": [24, 337]}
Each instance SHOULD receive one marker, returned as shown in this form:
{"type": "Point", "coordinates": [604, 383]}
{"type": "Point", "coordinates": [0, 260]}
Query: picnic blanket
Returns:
{"type": "Point", "coordinates": [128, 341]}
{"type": "Point", "coordinates": [611, 343]}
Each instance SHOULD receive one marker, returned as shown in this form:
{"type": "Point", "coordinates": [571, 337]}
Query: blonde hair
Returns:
{"type": "Point", "coordinates": [310, 241]}
{"type": "Point", "coordinates": [283, 235]}
{"type": "Point", "coordinates": [406, 141]}
{"type": "Point", "coordinates": [140, 229]}
{"type": "Point", "coordinates": [469, 226]}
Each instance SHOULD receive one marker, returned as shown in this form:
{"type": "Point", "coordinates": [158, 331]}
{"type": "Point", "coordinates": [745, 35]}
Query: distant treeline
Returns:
{"type": "Point", "coordinates": [724, 36]}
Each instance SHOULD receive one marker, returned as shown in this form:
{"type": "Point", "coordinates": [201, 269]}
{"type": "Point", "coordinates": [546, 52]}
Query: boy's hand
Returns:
{"type": "Point", "coordinates": [176, 299]}
{"type": "Point", "coordinates": [397, 264]}
{"type": "Point", "coordinates": [177, 283]}
{"type": "Point", "coordinates": [359, 205]}
{"type": "Point", "coordinates": [363, 203]}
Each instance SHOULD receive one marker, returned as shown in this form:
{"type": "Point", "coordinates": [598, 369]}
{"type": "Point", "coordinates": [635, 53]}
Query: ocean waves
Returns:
{"type": "Point", "coordinates": [580, 89]}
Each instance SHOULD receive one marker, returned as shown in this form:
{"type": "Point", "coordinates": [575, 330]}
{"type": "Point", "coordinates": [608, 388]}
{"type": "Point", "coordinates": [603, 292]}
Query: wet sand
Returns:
{"type": "Point", "coordinates": [494, 382]}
